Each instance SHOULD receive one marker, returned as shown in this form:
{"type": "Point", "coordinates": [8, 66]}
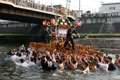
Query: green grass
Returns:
{"type": "Point", "coordinates": [81, 34]}
{"type": "Point", "coordinates": [19, 34]}
{"type": "Point", "coordinates": [102, 34]}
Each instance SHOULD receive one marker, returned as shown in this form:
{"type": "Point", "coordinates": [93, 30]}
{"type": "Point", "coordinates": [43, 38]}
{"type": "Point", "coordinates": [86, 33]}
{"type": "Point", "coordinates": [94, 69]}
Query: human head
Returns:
{"type": "Point", "coordinates": [21, 60]}
{"type": "Point", "coordinates": [14, 49]}
{"type": "Point", "coordinates": [47, 28]}
{"type": "Point", "coordinates": [53, 61]}
{"type": "Point", "coordinates": [110, 58]}
{"type": "Point", "coordinates": [32, 60]}
{"type": "Point", "coordinates": [60, 61]}
{"type": "Point", "coordinates": [72, 27]}
{"type": "Point", "coordinates": [47, 53]}
{"type": "Point", "coordinates": [117, 56]}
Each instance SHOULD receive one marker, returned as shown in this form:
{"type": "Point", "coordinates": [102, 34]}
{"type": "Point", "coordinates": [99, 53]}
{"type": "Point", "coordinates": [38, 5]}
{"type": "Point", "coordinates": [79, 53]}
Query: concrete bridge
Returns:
{"type": "Point", "coordinates": [11, 10]}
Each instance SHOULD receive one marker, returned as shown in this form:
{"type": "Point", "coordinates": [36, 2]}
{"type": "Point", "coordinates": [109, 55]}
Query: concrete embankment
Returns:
{"type": "Point", "coordinates": [99, 28]}
{"type": "Point", "coordinates": [97, 42]}
{"type": "Point", "coordinates": [19, 38]}
{"type": "Point", "coordinates": [112, 43]}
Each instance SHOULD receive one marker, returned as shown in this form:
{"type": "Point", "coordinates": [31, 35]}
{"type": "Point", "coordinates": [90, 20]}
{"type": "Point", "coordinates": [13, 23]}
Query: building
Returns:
{"type": "Point", "coordinates": [57, 6]}
{"type": "Point", "coordinates": [110, 8]}
{"type": "Point", "coordinates": [76, 13]}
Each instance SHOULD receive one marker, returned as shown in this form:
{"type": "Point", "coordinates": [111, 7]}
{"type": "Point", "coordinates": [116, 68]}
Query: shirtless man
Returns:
{"type": "Point", "coordinates": [60, 65]}
{"type": "Point", "coordinates": [117, 61]}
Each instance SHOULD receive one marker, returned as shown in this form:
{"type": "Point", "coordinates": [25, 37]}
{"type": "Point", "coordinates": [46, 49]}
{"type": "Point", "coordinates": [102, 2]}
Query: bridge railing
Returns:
{"type": "Point", "coordinates": [33, 5]}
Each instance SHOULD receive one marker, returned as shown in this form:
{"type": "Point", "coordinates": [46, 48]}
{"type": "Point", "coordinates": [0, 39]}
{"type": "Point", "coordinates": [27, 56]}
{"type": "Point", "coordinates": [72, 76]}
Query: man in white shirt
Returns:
{"type": "Point", "coordinates": [32, 63]}
{"type": "Point", "coordinates": [23, 64]}
{"type": "Point", "coordinates": [15, 58]}
{"type": "Point", "coordinates": [103, 66]}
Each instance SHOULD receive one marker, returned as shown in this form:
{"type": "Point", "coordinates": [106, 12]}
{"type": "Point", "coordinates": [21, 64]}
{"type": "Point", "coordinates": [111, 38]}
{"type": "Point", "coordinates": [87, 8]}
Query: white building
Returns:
{"type": "Point", "coordinates": [77, 14]}
{"type": "Point", "coordinates": [110, 8]}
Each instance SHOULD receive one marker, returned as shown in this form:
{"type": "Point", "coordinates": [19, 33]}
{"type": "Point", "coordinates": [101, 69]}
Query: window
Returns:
{"type": "Point", "coordinates": [111, 8]}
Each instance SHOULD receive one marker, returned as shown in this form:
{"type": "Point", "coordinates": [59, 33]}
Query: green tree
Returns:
{"type": "Point", "coordinates": [88, 12]}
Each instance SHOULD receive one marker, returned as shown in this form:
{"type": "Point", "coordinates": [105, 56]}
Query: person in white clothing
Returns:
{"type": "Point", "coordinates": [23, 64]}
{"type": "Point", "coordinates": [15, 58]}
{"type": "Point", "coordinates": [32, 63]}
{"type": "Point", "coordinates": [103, 66]}
{"type": "Point", "coordinates": [24, 57]}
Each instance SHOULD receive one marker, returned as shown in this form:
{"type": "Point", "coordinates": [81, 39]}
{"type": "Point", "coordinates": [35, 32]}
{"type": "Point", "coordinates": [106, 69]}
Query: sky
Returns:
{"type": "Point", "coordinates": [92, 5]}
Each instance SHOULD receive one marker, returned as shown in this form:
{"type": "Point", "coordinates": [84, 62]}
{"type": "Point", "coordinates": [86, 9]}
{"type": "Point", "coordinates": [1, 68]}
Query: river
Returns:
{"type": "Point", "coordinates": [9, 71]}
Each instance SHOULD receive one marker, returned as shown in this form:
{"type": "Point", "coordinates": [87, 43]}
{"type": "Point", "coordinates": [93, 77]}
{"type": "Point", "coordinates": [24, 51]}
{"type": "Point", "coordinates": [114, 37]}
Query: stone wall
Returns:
{"type": "Point", "coordinates": [99, 28]}
{"type": "Point", "coordinates": [112, 43]}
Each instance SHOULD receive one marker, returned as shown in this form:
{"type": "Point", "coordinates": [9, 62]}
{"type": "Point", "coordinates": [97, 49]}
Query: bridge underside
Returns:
{"type": "Point", "coordinates": [9, 12]}
{"type": "Point", "coordinates": [17, 14]}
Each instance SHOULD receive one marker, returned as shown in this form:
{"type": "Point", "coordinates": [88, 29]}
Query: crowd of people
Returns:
{"type": "Point", "coordinates": [55, 59]}
{"type": "Point", "coordinates": [34, 5]}
{"type": "Point", "coordinates": [91, 15]}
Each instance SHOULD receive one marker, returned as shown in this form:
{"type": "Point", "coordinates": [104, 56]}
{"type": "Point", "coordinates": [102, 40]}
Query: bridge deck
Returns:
{"type": "Point", "coordinates": [32, 9]}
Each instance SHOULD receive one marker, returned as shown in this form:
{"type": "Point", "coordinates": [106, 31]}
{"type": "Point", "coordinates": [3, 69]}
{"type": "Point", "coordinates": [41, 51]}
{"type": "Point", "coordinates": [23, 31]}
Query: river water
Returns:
{"type": "Point", "coordinates": [9, 71]}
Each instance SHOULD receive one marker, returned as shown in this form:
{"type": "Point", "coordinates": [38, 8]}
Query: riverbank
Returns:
{"type": "Point", "coordinates": [25, 38]}
{"type": "Point", "coordinates": [100, 35]}
{"type": "Point", "coordinates": [111, 41]}
{"type": "Point", "coordinates": [19, 38]}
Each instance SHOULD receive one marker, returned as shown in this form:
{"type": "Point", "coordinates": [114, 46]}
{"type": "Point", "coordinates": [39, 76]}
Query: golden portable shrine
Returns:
{"type": "Point", "coordinates": [58, 38]}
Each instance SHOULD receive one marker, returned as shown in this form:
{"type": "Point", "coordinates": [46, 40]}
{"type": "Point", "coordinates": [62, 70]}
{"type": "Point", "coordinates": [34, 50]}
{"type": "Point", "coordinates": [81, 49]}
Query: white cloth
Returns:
{"type": "Point", "coordinates": [22, 64]}
{"type": "Point", "coordinates": [31, 54]}
{"type": "Point", "coordinates": [29, 50]}
{"type": "Point", "coordinates": [28, 61]}
{"type": "Point", "coordinates": [32, 64]}
{"type": "Point", "coordinates": [103, 66]}
{"type": "Point", "coordinates": [38, 62]}
{"type": "Point", "coordinates": [53, 56]}
{"type": "Point", "coordinates": [23, 57]}
{"type": "Point", "coordinates": [15, 58]}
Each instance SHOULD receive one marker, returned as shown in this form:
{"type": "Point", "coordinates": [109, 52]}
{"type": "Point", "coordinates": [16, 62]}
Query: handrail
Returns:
{"type": "Point", "coordinates": [33, 5]}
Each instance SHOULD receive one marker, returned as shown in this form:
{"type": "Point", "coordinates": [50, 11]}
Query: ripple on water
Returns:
{"type": "Point", "coordinates": [9, 71]}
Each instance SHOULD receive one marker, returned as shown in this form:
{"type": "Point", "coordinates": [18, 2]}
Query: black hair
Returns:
{"type": "Point", "coordinates": [106, 61]}
{"type": "Point", "coordinates": [102, 50]}
{"type": "Point", "coordinates": [110, 58]}
{"type": "Point", "coordinates": [19, 54]}
{"type": "Point", "coordinates": [117, 55]}
{"type": "Point", "coordinates": [86, 64]}
{"type": "Point", "coordinates": [60, 61]}
{"type": "Point", "coordinates": [74, 61]}
{"type": "Point", "coordinates": [22, 50]}
{"type": "Point", "coordinates": [91, 58]}
{"type": "Point", "coordinates": [99, 59]}
{"type": "Point", "coordinates": [27, 51]}
{"type": "Point", "coordinates": [21, 60]}
{"type": "Point", "coordinates": [32, 59]}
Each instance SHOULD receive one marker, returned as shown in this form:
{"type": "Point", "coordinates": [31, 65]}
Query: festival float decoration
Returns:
{"type": "Point", "coordinates": [60, 25]}
{"type": "Point", "coordinates": [44, 23]}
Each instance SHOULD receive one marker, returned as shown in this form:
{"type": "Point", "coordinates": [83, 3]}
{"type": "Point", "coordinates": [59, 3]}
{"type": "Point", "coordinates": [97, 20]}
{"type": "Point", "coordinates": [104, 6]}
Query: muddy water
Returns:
{"type": "Point", "coordinates": [9, 71]}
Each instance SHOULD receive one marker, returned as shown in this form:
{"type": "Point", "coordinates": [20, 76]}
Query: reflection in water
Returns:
{"type": "Point", "coordinates": [9, 71]}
